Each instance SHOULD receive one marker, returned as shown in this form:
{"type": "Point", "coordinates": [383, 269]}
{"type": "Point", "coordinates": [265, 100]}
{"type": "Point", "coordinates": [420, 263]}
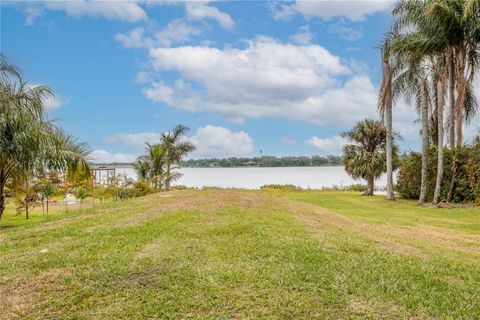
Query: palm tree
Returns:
{"type": "Point", "coordinates": [176, 147]}
{"type": "Point", "coordinates": [447, 28]}
{"type": "Point", "coordinates": [27, 140]}
{"type": "Point", "coordinates": [440, 77]}
{"type": "Point", "coordinates": [142, 168]}
{"type": "Point", "coordinates": [413, 73]}
{"type": "Point", "coordinates": [366, 156]}
{"type": "Point", "coordinates": [459, 22]}
{"type": "Point", "coordinates": [156, 159]}
{"type": "Point", "coordinates": [450, 27]}
{"type": "Point", "coordinates": [411, 79]}
{"type": "Point", "coordinates": [385, 106]}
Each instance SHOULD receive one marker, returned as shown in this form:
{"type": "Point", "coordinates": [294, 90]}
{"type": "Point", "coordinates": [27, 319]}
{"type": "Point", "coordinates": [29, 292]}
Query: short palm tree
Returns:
{"type": "Point", "coordinates": [365, 157]}
{"type": "Point", "coordinates": [142, 168]}
{"type": "Point", "coordinates": [176, 147]}
{"type": "Point", "coordinates": [27, 140]}
{"type": "Point", "coordinates": [155, 160]}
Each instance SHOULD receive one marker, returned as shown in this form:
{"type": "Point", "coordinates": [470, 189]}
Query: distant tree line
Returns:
{"type": "Point", "coordinates": [265, 161]}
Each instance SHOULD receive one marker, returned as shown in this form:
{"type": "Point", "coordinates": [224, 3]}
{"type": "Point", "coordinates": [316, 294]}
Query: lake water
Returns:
{"type": "Point", "coordinates": [254, 178]}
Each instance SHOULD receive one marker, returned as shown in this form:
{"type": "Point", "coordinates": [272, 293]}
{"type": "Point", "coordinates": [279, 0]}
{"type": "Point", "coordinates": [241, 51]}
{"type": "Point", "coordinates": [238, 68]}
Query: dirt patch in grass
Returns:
{"type": "Point", "coordinates": [415, 241]}
{"type": "Point", "coordinates": [66, 220]}
{"type": "Point", "coordinates": [443, 237]}
{"type": "Point", "coordinates": [362, 309]}
{"type": "Point", "coordinates": [19, 297]}
{"type": "Point", "coordinates": [199, 201]}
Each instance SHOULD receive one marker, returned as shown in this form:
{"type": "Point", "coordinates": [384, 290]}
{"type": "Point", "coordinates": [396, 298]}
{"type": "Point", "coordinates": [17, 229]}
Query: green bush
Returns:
{"type": "Point", "coordinates": [467, 185]}
{"type": "Point", "coordinates": [280, 187]}
{"type": "Point", "coordinates": [141, 188]}
{"type": "Point", "coordinates": [357, 187]}
{"type": "Point", "coordinates": [179, 187]}
{"type": "Point", "coordinates": [126, 193]}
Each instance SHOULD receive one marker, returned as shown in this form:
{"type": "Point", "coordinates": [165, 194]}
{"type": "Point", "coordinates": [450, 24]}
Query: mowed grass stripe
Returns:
{"type": "Point", "coordinates": [223, 255]}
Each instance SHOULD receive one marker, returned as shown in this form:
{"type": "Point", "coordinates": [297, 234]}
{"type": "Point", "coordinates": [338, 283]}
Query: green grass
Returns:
{"type": "Point", "coordinates": [223, 254]}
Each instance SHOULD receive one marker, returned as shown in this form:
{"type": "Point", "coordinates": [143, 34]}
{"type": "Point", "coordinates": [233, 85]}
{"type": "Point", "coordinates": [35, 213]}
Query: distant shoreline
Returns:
{"type": "Point", "coordinates": [255, 162]}
{"type": "Point", "coordinates": [130, 165]}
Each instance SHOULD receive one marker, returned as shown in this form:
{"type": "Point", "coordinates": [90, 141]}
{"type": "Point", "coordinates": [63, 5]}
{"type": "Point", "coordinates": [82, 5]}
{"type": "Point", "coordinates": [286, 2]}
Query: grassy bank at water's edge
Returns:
{"type": "Point", "coordinates": [227, 254]}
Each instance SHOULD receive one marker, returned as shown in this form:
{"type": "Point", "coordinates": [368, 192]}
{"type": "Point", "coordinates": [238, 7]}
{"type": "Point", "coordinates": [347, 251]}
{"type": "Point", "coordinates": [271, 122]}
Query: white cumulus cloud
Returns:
{"type": "Point", "coordinates": [134, 140]}
{"type": "Point", "coordinates": [176, 31]}
{"type": "Point", "coordinates": [103, 156]}
{"type": "Point", "coordinates": [210, 142]}
{"type": "Point", "coordinates": [303, 36]}
{"type": "Point", "coordinates": [220, 142]}
{"type": "Point", "coordinates": [132, 39]}
{"type": "Point", "coordinates": [52, 102]}
{"type": "Point", "coordinates": [266, 79]}
{"type": "Point", "coordinates": [127, 11]}
{"type": "Point", "coordinates": [199, 10]}
{"type": "Point", "coordinates": [55, 102]}
{"type": "Point", "coordinates": [325, 146]}
{"type": "Point", "coordinates": [355, 10]}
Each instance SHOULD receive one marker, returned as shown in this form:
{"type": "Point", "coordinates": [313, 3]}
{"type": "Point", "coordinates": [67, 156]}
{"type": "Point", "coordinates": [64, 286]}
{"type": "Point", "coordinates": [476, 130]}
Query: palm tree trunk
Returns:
{"type": "Point", "coordinates": [462, 93]}
{"type": "Point", "coordinates": [370, 186]}
{"type": "Point", "coordinates": [459, 123]}
{"type": "Point", "coordinates": [389, 146]}
{"type": "Point", "coordinates": [451, 99]}
{"type": "Point", "coordinates": [26, 198]}
{"type": "Point", "coordinates": [438, 182]}
{"type": "Point", "coordinates": [167, 182]}
{"type": "Point", "coordinates": [459, 108]}
{"type": "Point", "coordinates": [424, 115]}
{"type": "Point", "coordinates": [2, 197]}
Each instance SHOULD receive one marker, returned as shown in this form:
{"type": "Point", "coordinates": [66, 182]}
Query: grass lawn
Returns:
{"type": "Point", "coordinates": [234, 254]}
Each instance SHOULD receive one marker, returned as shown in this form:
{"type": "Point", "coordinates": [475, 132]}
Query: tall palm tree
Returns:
{"type": "Point", "coordinates": [366, 156]}
{"type": "Point", "coordinates": [458, 21]}
{"type": "Point", "coordinates": [385, 106]}
{"type": "Point", "coordinates": [413, 74]}
{"type": "Point", "coordinates": [411, 78]}
{"type": "Point", "coordinates": [27, 140]}
{"type": "Point", "coordinates": [176, 147]}
{"type": "Point", "coordinates": [440, 99]}
{"type": "Point", "coordinates": [458, 24]}
{"type": "Point", "coordinates": [425, 142]}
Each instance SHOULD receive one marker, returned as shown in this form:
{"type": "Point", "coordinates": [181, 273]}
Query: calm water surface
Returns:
{"type": "Point", "coordinates": [254, 178]}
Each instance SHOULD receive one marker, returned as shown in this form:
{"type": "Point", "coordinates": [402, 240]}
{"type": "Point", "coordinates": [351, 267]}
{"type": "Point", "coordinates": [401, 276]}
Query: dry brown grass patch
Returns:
{"type": "Point", "coordinates": [19, 297]}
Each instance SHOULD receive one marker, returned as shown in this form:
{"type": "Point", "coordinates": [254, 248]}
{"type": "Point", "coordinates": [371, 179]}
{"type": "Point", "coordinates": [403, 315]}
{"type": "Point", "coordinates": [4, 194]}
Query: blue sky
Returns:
{"type": "Point", "coordinates": [282, 77]}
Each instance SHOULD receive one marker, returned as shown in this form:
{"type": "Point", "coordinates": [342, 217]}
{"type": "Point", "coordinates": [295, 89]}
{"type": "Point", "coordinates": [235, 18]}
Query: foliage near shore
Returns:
{"type": "Point", "coordinates": [264, 161]}
{"type": "Point", "coordinates": [467, 176]}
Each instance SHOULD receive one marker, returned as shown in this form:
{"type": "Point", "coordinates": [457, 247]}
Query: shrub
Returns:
{"type": "Point", "coordinates": [179, 187]}
{"type": "Point", "coordinates": [141, 188]}
{"type": "Point", "coordinates": [357, 187]}
{"type": "Point", "coordinates": [280, 187]}
{"type": "Point", "coordinates": [467, 180]}
{"type": "Point", "coordinates": [126, 193]}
